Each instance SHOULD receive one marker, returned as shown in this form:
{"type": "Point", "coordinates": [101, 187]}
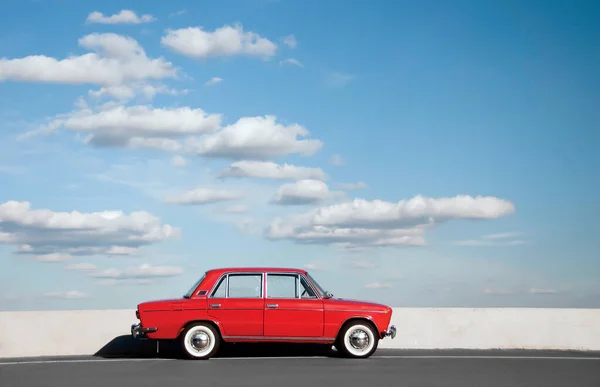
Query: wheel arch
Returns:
{"type": "Point", "coordinates": [214, 324]}
{"type": "Point", "coordinates": [358, 319]}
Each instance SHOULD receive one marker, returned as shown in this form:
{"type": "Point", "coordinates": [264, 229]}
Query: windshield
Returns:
{"type": "Point", "coordinates": [191, 291]}
{"type": "Point", "coordinates": [323, 292]}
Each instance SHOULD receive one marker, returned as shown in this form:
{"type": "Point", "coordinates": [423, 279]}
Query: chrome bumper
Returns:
{"type": "Point", "coordinates": [391, 332]}
{"type": "Point", "coordinates": [138, 331]}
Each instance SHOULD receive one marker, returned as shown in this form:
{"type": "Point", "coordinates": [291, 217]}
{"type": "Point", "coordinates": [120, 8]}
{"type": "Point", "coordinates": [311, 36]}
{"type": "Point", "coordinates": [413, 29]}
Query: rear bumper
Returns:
{"type": "Point", "coordinates": [390, 332]}
{"type": "Point", "coordinates": [138, 331]}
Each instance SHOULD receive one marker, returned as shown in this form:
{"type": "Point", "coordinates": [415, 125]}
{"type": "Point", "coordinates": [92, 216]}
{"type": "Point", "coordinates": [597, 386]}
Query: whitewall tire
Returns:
{"type": "Point", "coordinates": [200, 341]}
{"type": "Point", "coordinates": [357, 340]}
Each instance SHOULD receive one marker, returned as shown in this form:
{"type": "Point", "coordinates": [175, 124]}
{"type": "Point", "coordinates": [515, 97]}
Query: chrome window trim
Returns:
{"type": "Point", "coordinates": [194, 292]}
{"type": "Point", "coordinates": [245, 273]}
{"type": "Point", "coordinates": [310, 285]}
{"type": "Point", "coordinates": [299, 277]}
{"type": "Point", "coordinates": [211, 294]}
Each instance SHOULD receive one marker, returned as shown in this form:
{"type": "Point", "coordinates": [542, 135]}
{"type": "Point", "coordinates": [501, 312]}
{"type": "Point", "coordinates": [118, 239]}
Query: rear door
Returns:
{"type": "Point", "coordinates": [292, 307]}
{"type": "Point", "coordinates": [237, 303]}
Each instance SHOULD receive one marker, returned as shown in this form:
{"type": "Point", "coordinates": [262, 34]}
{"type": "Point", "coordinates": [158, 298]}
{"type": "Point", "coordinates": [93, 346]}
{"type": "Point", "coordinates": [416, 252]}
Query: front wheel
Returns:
{"type": "Point", "coordinates": [200, 341]}
{"type": "Point", "coordinates": [357, 340]}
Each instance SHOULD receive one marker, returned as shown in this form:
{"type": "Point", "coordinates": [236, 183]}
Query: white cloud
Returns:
{"type": "Point", "coordinates": [133, 275]}
{"type": "Point", "coordinates": [499, 239]}
{"type": "Point", "coordinates": [184, 130]}
{"type": "Point", "coordinates": [255, 138]}
{"type": "Point", "coordinates": [145, 271]}
{"type": "Point", "coordinates": [378, 285]}
{"type": "Point", "coordinates": [45, 253]}
{"type": "Point", "coordinates": [53, 257]}
{"type": "Point", "coordinates": [237, 209]}
{"type": "Point", "coordinates": [137, 126]}
{"type": "Point", "coordinates": [121, 250]}
{"type": "Point", "coordinates": [271, 170]}
{"type": "Point", "coordinates": [69, 295]}
{"type": "Point", "coordinates": [337, 160]}
{"type": "Point", "coordinates": [213, 81]}
{"type": "Point", "coordinates": [498, 292]}
{"type": "Point", "coordinates": [247, 226]}
{"type": "Point", "coordinates": [161, 143]}
{"type": "Point", "coordinates": [378, 223]}
{"type": "Point", "coordinates": [290, 41]}
{"type": "Point", "coordinates": [124, 17]}
{"type": "Point", "coordinates": [302, 192]}
{"type": "Point", "coordinates": [126, 92]}
{"type": "Point", "coordinates": [178, 161]}
{"type": "Point", "coordinates": [197, 43]}
{"type": "Point", "coordinates": [117, 60]}
{"type": "Point", "coordinates": [119, 92]}
{"type": "Point", "coordinates": [353, 186]}
{"type": "Point", "coordinates": [42, 232]}
{"type": "Point", "coordinates": [203, 195]}
{"type": "Point", "coordinates": [313, 267]}
{"type": "Point", "coordinates": [344, 237]}
{"type": "Point", "coordinates": [339, 79]}
{"type": "Point", "coordinates": [291, 61]}
{"type": "Point", "coordinates": [178, 13]}
{"type": "Point", "coordinates": [82, 267]}
{"type": "Point", "coordinates": [418, 210]}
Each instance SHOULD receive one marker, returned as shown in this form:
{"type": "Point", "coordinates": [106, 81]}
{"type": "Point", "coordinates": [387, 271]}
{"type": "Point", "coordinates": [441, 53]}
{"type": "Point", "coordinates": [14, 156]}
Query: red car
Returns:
{"type": "Point", "coordinates": [263, 305]}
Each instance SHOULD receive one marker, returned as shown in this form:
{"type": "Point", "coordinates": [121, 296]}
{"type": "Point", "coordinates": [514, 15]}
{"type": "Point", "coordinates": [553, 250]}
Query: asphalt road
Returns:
{"type": "Point", "coordinates": [389, 368]}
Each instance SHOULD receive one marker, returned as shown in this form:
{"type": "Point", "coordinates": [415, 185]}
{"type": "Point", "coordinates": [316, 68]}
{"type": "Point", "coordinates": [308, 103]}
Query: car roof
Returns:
{"type": "Point", "coordinates": [243, 269]}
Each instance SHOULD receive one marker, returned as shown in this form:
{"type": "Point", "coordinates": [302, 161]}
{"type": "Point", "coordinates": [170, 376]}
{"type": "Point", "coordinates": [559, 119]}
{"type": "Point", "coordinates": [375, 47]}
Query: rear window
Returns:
{"type": "Point", "coordinates": [191, 291]}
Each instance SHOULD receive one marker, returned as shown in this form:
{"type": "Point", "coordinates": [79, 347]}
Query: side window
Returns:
{"type": "Point", "coordinates": [220, 290]}
{"type": "Point", "coordinates": [282, 286]}
{"type": "Point", "coordinates": [245, 285]}
{"type": "Point", "coordinates": [306, 290]}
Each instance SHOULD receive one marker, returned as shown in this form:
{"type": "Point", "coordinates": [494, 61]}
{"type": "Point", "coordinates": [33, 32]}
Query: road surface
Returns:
{"type": "Point", "coordinates": [389, 368]}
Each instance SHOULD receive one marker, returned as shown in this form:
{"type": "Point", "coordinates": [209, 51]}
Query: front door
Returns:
{"type": "Point", "coordinates": [238, 305]}
{"type": "Point", "coordinates": [292, 308]}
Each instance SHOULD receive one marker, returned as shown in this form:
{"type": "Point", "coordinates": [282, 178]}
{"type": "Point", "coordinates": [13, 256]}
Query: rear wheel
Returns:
{"type": "Point", "coordinates": [200, 341]}
{"type": "Point", "coordinates": [357, 339]}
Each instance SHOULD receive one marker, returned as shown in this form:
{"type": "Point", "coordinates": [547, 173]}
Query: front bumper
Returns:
{"type": "Point", "coordinates": [391, 332]}
{"type": "Point", "coordinates": [138, 331]}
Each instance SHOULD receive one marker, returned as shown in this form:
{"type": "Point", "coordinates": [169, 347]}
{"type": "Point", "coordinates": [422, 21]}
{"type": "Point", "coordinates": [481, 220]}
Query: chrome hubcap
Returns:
{"type": "Point", "coordinates": [199, 340]}
{"type": "Point", "coordinates": [359, 339]}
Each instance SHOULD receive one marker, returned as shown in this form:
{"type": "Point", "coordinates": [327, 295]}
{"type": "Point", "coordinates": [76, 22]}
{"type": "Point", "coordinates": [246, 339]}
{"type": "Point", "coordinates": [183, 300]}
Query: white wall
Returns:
{"type": "Point", "coordinates": [63, 333]}
{"type": "Point", "coordinates": [496, 328]}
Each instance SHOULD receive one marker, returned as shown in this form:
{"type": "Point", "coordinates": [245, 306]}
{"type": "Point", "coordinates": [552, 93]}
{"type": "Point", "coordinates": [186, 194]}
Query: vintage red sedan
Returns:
{"type": "Point", "coordinates": [263, 305]}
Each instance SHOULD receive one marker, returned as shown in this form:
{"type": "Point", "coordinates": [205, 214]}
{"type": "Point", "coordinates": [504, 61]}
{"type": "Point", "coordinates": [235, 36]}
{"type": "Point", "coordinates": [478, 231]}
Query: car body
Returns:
{"type": "Point", "coordinates": [263, 304]}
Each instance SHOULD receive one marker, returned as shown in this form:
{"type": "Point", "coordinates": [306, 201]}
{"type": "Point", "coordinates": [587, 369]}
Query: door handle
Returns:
{"type": "Point", "coordinates": [272, 305]}
{"type": "Point", "coordinates": [215, 305]}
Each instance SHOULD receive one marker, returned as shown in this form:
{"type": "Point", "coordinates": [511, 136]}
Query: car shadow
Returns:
{"type": "Point", "coordinates": [126, 347]}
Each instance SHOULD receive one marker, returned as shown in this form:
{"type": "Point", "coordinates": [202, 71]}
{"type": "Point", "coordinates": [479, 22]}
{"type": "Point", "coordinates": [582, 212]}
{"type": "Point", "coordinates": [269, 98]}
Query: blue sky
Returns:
{"type": "Point", "coordinates": [422, 154]}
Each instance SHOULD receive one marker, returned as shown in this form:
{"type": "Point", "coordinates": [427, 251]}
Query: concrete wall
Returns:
{"type": "Point", "coordinates": [63, 333]}
{"type": "Point", "coordinates": [496, 328]}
